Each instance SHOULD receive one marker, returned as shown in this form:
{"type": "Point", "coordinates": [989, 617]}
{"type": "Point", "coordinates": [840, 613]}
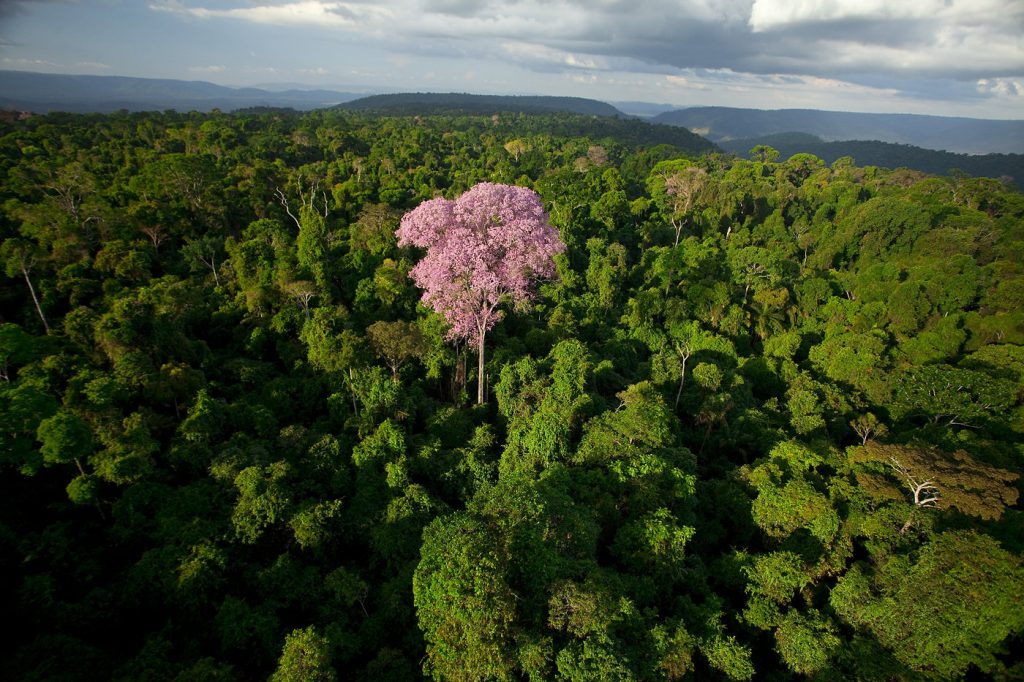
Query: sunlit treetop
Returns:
{"type": "Point", "coordinates": [490, 244]}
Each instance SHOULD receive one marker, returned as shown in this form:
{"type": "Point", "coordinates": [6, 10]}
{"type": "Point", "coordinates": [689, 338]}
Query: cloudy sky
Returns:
{"type": "Point", "coordinates": [951, 57]}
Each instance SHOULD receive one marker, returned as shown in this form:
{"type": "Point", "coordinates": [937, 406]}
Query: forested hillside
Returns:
{"type": "Point", "coordinates": [579, 117]}
{"type": "Point", "coordinates": [413, 103]}
{"type": "Point", "coordinates": [1006, 167]}
{"type": "Point", "coordinates": [765, 420]}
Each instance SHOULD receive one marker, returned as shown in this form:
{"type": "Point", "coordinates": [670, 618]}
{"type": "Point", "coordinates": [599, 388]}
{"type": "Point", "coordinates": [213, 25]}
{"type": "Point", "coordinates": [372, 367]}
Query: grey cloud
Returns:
{"type": "Point", "coordinates": [871, 43]}
{"type": "Point", "coordinates": [10, 8]}
{"type": "Point", "coordinates": [462, 8]}
{"type": "Point", "coordinates": [344, 12]}
{"type": "Point", "coordinates": [658, 34]}
{"type": "Point", "coordinates": [848, 48]}
{"type": "Point", "coordinates": [869, 31]}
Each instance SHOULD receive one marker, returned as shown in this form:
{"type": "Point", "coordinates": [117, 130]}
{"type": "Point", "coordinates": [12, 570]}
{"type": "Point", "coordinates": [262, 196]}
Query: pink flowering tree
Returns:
{"type": "Point", "coordinates": [490, 245]}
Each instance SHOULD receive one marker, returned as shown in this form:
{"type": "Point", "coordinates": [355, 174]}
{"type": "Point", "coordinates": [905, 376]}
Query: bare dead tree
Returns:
{"type": "Point", "coordinates": [684, 351]}
{"type": "Point", "coordinates": [684, 187]}
{"type": "Point", "coordinates": [303, 292]}
{"type": "Point", "coordinates": [867, 426]}
{"type": "Point", "coordinates": [205, 251]}
{"type": "Point", "coordinates": [284, 202]}
{"type": "Point", "coordinates": [754, 271]}
{"type": "Point", "coordinates": [19, 258]}
{"type": "Point", "coordinates": [157, 234]}
{"type": "Point", "coordinates": [926, 494]}
{"type": "Point", "coordinates": [307, 201]}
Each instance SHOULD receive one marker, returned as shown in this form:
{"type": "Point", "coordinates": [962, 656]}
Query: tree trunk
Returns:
{"type": "Point", "coordinates": [458, 380]}
{"type": "Point", "coordinates": [352, 387]}
{"type": "Point", "coordinates": [35, 299]}
{"type": "Point", "coordinates": [480, 371]}
{"type": "Point", "coordinates": [81, 470]}
{"type": "Point", "coordinates": [682, 378]}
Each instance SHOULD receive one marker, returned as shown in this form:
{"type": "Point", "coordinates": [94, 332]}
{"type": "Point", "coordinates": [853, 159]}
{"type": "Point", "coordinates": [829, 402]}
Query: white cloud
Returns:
{"type": "Point", "coordinates": [403, 19]}
{"type": "Point", "coordinates": [966, 39]}
{"type": "Point", "coordinates": [998, 14]}
{"type": "Point", "coordinates": [786, 90]}
{"type": "Point", "coordinates": [301, 13]}
{"type": "Point", "coordinates": [99, 66]}
{"type": "Point", "coordinates": [25, 63]}
{"type": "Point", "coordinates": [537, 54]}
{"type": "Point", "coordinates": [685, 83]}
{"type": "Point", "coordinates": [213, 68]}
{"type": "Point", "coordinates": [843, 49]}
{"type": "Point", "coordinates": [1001, 87]}
{"type": "Point", "coordinates": [769, 14]}
{"type": "Point", "coordinates": [955, 38]}
{"type": "Point", "coordinates": [951, 53]}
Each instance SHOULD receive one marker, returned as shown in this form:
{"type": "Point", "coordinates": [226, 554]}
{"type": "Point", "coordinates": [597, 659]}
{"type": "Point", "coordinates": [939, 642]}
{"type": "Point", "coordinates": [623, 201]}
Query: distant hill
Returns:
{"type": "Point", "coordinates": [431, 103]}
{"type": "Point", "coordinates": [41, 93]}
{"type": "Point", "coordinates": [562, 116]}
{"type": "Point", "coordinates": [643, 109]}
{"type": "Point", "coordinates": [959, 135]}
{"type": "Point", "coordinates": [886, 155]}
{"type": "Point", "coordinates": [628, 131]}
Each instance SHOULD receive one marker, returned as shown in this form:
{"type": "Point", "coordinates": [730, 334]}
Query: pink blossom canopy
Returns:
{"type": "Point", "coordinates": [491, 243]}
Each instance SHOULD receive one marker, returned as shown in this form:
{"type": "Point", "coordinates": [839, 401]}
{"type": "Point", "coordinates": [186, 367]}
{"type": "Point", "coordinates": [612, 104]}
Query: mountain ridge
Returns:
{"type": "Point", "coordinates": [42, 93]}
{"type": "Point", "coordinates": [445, 102]}
{"type": "Point", "coordinates": [940, 133]}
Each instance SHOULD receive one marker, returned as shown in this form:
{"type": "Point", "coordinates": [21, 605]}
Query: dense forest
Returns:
{"type": "Point", "coordinates": [1008, 168]}
{"type": "Point", "coordinates": [433, 103]}
{"type": "Point", "coordinates": [765, 419]}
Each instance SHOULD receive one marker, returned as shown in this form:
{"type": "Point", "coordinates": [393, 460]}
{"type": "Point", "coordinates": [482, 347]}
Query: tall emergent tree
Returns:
{"type": "Point", "coordinates": [489, 245]}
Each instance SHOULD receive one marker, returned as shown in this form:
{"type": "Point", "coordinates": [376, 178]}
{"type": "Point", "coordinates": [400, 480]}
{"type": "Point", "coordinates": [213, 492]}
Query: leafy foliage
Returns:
{"type": "Point", "coordinates": [751, 419]}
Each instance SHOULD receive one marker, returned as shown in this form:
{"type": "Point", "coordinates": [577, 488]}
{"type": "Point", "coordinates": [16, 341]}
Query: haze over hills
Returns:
{"type": "Point", "coordinates": [644, 110]}
{"type": "Point", "coordinates": [958, 135]}
{"type": "Point", "coordinates": [43, 93]}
